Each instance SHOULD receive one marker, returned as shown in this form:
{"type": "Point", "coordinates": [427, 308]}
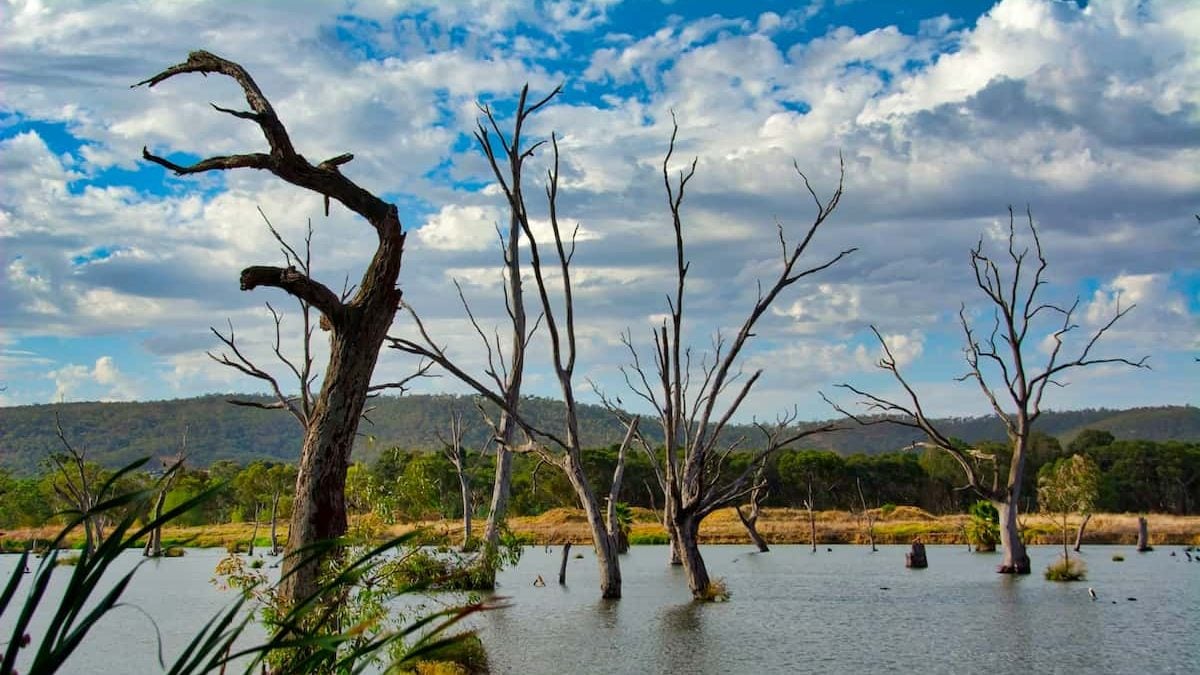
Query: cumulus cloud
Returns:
{"type": "Point", "coordinates": [102, 381]}
{"type": "Point", "coordinates": [1088, 113]}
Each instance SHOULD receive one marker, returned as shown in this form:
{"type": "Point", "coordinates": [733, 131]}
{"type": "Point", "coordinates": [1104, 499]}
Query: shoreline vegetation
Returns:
{"type": "Point", "coordinates": [900, 525]}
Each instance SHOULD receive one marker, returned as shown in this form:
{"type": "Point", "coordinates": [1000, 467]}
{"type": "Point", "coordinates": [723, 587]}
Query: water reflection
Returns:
{"type": "Point", "coordinates": [791, 611]}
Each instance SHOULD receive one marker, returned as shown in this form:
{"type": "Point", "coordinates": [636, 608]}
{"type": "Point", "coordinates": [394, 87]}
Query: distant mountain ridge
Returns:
{"type": "Point", "coordinates": [118, 433]}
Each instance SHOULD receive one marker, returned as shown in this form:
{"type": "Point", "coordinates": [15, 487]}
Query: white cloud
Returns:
{"type": "Point", "coordinates": [104, 381]}
{"type": "Point", "coordinates": [1090, 114]}
{"type": "Point", "coordinates": [462, 228]}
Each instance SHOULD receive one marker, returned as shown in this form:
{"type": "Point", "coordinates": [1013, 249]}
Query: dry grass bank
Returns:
{"type": "Point", "coordinates": [790, 526]}
{"type": "Point", "coordinates": [778, 526]}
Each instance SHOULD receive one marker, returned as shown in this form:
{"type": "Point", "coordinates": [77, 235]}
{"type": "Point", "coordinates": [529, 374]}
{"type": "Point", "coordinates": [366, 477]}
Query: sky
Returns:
{"type": "Point", "coordinates": [946, 113]}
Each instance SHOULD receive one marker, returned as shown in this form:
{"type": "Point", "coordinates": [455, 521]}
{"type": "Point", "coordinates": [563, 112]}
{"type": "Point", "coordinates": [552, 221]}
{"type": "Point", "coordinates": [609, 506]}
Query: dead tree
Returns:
{"type": "Point", "coordinates": [456, 454]}
{"type": "Point", "coordinates": [750, 520]}
{"type": "Point", "coordinates": [510, 373]}
{"type": "Point", "coordinates": [172, 468]}
{"type": "Point", "coordinates": [563, 449]}
{"type": "Point", "coordinates": [357, 324]}
{"type": "Point", "coordinates": [79, 486]}
{"type": "Point", "coordinates": [690, 410]}
{"type": "Point", "coordinates": [870, 517]}
{"type": "Point", "coordinates": [615, 530]}
{"type": "Point", "coordinates": [1005, 354]}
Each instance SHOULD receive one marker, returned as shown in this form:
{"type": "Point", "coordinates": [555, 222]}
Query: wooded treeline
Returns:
{"type": "Point", "coordinates": [116, 434]}
{"type": "Point", "coordinates": [406, 485]}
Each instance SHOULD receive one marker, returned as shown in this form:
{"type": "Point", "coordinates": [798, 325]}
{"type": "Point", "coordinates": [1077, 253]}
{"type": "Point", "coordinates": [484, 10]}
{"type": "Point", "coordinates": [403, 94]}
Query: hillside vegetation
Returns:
{"type": "Point", "coordinates": [117, 433]}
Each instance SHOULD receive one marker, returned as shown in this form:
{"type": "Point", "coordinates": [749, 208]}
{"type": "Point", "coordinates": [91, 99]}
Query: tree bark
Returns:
{"type": "Point", "coordinates": [1015, 560]}
{"type": "Point", "coordinates": [1079, 532]}
{"type": "Point", "coordinates": [319, 510]}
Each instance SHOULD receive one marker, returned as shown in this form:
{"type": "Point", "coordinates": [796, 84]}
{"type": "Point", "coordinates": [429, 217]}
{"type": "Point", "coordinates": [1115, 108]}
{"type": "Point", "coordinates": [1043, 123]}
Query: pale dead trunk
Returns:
{"type": "Point", "coordinates": [274, 524]}
{"type": "Point", "coordinates": [501, 489]}
{"type": "Point", "coordinates": [468, 507]}
{"type": "Point", "coordinates": [673, 555]}
{"type": "Point", "coordinates": [870, 517]}
{"type": "Point", "coordinates": [1143, 540]}
{"type": "Point", "coordinates": [254, 532]}
{"type": "Point", "coordinates": [1079, 533]}
{"type": "Point", "coordinates": [1015, 559]}
{"type": "Point", "coordinates": [606, 549]}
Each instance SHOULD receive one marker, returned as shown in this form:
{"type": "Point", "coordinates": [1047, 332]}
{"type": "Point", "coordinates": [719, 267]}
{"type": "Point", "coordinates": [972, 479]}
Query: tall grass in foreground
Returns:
{"type": "Point", "coordinates": [306, 637]}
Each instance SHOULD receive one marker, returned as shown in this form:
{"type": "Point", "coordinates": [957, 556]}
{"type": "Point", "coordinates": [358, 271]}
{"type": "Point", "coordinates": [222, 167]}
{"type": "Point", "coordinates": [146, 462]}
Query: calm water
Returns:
{"type": "Point", "coordinates": [792, 611]}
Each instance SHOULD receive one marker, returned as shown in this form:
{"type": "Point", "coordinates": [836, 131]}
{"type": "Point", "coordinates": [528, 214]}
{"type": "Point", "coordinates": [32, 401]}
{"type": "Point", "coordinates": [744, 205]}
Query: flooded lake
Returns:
{"type": "Point", "coordinates": [844, 610]}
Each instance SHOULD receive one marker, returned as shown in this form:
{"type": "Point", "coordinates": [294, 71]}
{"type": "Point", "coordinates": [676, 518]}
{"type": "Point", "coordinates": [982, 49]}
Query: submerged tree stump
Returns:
{"type": "Point", "coordinates": [1143, 541]}
{"type": "Point", "coordinates": [915, 559]}
{"type": "Point", "coordinates": [562, 569]}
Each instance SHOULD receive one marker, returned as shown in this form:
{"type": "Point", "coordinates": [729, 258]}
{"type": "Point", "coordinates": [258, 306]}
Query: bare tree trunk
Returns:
{"type": "Point", "coordinates": [254, 532]}
{"type": "Point", "coordinates": [468, 508]}
{"type": "Point", "coordinates": [1079, 533]}
{"type": "Point", "coordinates": [154, 540]}
{"type": "Point", "coordinates": [871, 517]}
{"type": "Point", "coordinates": [274, 524]}
{"type": "Point", "coordinates": [1015, 560]}
{"type": "Point", "coordinates": [501, 490]}
{"type": "Point", "coordinates": [812, 518]}
{"type": "Point", "coordinates": [620, 540]}
{"type": "Point", "coordinates": [319, 510]}
{"type": "Point", "coordinates": [606, 550]}
{"type": "Point", "coordinates": [1143, 540]}
{"type": "Point", "coordinates": [689, 552]}
{"type": "Point", "coordinates": [674, 557]}
{"type": "Point", "coordinates": [749, 522]}
{"type": "Point", "coordinates": [562, 567]}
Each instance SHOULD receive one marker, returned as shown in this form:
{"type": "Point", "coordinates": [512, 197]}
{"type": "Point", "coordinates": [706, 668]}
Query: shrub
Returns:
{"type": "Point", "coordinates": [983, 529]}
{"type": "Point", "coordinates": [716, 592]}
{"type": "Point", "coordinates": [1066, 569]}
{"type": "Point", "coordinates": [645, 538]}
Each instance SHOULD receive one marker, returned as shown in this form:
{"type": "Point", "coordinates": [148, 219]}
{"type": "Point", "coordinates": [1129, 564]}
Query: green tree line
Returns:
{"type": "Point", "coordinates": [406, 485]}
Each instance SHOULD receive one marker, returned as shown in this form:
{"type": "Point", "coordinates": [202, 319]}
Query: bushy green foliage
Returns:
{"type": "Point", "coordinates": [1066, 569]}
{"type": "Point", "coordinates": [983, 529]}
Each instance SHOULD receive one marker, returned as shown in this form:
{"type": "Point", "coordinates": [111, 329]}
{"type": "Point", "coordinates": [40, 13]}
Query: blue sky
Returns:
{"type": "Point", "coordinates": [946, 113]}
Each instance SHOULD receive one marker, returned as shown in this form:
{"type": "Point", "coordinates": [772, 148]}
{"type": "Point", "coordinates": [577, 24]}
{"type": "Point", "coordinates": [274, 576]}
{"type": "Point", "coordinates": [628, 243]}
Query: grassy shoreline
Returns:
{"type": "Point", "coordinates": [778, 526]}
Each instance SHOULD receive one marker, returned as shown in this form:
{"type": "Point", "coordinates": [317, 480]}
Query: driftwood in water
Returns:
{"type": "Point", "coordinates": [915, 558]}
{"type": "Point", "coordinates": [562, 569]}
{"type": "Point", "coordinates": [1143, 541]}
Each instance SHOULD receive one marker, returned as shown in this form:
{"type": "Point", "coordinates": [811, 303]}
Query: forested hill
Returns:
{"type": "Point", "coordinates": [117, 433]}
